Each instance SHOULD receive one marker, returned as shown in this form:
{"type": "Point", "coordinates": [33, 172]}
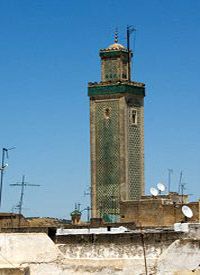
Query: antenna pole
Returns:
{"type": "Point", "coordinates": [170, 172]}
{"type": "Point", "coordinates": [182, 187]}
{"type": "Point", "coordinates": [182, 191]}
{"type": "Point", "coordinates": [88, 214]}
{"type": "Point", "coordinates": [22, 195]}
{"type": "Point", "coordinates": [2, 172]}
{"type": "Point", "coordinates": [129, 30]}
{"type": "Point", "coordinates": [128, 48]}
{"type": "Point", "coordinates": [180, 182]}
{"type": "Point", "coordinates": [3, 166]}
{"type": "Point", "coordinates": [22, 184]}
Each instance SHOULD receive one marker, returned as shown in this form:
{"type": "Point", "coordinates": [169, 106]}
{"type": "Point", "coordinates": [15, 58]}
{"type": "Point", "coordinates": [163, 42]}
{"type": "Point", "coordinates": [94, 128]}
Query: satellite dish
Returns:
{"type": "Point", "coordinates": [161, 187]}
{"type": "Point", "coordinates": [187, 212]}
{"type": "Point", "coordinates": [154, 191]}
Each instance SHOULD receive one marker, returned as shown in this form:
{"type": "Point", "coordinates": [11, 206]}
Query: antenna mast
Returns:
{"type": "Point", "coordinates": [3, 166]}
{"type": "Point", "coordinates": [180, 182]}
{"type": "Point", "coordinates": [170, 172]}
{"type": "Point", "coordinates": [22, 184]}
{"type": "Point", "coordinates": [129, 30]}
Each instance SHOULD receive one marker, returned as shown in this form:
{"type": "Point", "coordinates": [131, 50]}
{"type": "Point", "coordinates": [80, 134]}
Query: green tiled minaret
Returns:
{"type": "Point", "coordinates": [116, 134]}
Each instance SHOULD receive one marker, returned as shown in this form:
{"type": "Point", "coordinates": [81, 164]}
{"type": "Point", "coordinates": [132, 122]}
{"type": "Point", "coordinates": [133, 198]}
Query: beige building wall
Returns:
{"type": "Point", "coordinates": [155, 212]}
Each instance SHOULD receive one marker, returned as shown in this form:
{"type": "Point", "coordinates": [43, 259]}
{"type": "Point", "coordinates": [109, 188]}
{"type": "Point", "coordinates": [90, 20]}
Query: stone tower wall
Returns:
{"type": "Point", "coordinates": [105, 156]}
{"type": "Point", "coordinates": [135, 145]}
{"type": "Point", "coordinates": [117, 152]}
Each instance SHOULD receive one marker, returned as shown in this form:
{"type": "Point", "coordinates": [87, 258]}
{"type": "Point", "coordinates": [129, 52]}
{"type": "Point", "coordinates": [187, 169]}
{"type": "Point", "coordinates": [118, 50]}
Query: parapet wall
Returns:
{"type": "Point", "coordinates": [159, 237]}
{"type": "Point", "coordinates": [122, 254]}
{"type": "Point", "coordinates": [125, 253]}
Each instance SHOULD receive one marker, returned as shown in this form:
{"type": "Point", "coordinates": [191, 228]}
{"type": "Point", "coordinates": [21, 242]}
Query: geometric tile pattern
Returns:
{"type": "Point", "coordinates": [135, 154]}
{"type": "Point", "coordinates": [107, 157]}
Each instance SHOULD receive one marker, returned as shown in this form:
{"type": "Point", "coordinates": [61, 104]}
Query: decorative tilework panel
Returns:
{"type": "Point", "coordinates": [135, 151]}
{"type": "Point", "coordinates": [107, 156]}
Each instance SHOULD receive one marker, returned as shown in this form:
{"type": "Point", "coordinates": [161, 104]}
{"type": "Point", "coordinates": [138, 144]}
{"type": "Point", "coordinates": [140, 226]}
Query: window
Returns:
{"type": "Point", "coordinates": [133, 117]}
{"type": "Point", "coordinates": [107, 113]}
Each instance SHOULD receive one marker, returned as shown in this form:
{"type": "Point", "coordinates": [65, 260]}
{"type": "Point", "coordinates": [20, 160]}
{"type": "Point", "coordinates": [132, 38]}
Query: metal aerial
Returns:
{"type": "Point", "coordinates": [170, 172]}
{"type": "Point", "coordinates": [2, 168]}
{"type": "Point", "coordinates": [23, 184]}
{"type": "Point", "coordinates": [129, 30]}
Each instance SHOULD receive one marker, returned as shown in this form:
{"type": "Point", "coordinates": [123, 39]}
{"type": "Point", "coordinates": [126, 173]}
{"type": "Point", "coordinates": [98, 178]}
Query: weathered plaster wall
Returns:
{"type": "Point", "coordinates": [182, 256]}
{"type": "Point", "coordinates": [14, 271]}
{"type": "Point", "coordinates": [121, 254]}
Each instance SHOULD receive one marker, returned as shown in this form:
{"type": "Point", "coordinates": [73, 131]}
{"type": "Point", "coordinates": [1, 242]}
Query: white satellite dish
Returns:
{"type": "Point", "coordinates": [187, 212]}
{"type": "Point", "coordinates": [154, 191]}
{"type": "Point", "coordinates": [161, 187]}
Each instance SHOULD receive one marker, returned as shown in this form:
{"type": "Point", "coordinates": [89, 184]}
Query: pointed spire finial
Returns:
{"type": "Point", "coordinates": [116, 35]}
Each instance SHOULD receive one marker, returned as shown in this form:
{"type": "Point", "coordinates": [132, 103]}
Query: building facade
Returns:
{"type": "Point", "coordinates": [158, 211]}
{"type": "Point", "coordinates": [116, 134]}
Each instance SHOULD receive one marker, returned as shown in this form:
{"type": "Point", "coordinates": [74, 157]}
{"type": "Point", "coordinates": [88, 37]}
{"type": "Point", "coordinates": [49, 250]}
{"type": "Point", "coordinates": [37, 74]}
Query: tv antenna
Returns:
{"type": "Point", "coordinates": [187, 212]}
{"type": "Point", "coordinates": [182, 190]}
{"type": "Point", "coordinates": [129, 30]}
{"type": "Point", "coordinates": [154, 191]}
{"type": "Point", "coordinates": [88, 191]}
{"type": "Point", "coordinates": [88, 208]}
{"type": "Point", "coordinates": [77, 207]}
{"type": "Point", "coordinates": [180, 182]}
{"type": "Point", "coordinates": [161, 187]}
{"type": "Point", "coordinates": [3, 166]}
{"type": "Point", "coordinates": [23, 184]}
{"type": "Point", "coordinates": [170, 172]}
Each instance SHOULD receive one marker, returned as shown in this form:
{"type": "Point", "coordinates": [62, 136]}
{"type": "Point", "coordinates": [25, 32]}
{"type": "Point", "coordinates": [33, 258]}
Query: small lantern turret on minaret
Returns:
{"type": "Point", "coordinates": [114, 62]}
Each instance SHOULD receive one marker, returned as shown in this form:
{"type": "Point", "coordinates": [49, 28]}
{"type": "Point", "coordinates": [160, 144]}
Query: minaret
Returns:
{"type": "Point", "coordinates": [116, 134]}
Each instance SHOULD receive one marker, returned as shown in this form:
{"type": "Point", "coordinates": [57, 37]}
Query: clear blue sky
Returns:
{"type": "Point", "coordinates": [49, 52]}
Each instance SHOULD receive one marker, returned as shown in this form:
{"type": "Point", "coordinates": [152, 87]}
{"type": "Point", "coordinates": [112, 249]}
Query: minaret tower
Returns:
{"type": "Point", "coordinates": [116, 134]}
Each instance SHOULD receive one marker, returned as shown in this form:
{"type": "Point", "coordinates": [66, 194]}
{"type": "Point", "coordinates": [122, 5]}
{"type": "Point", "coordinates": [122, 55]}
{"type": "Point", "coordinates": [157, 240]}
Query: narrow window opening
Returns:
{"type": "Point", "coordinates": [134, 117]}
{"type": "Point", "coordinates": [107, 113]}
